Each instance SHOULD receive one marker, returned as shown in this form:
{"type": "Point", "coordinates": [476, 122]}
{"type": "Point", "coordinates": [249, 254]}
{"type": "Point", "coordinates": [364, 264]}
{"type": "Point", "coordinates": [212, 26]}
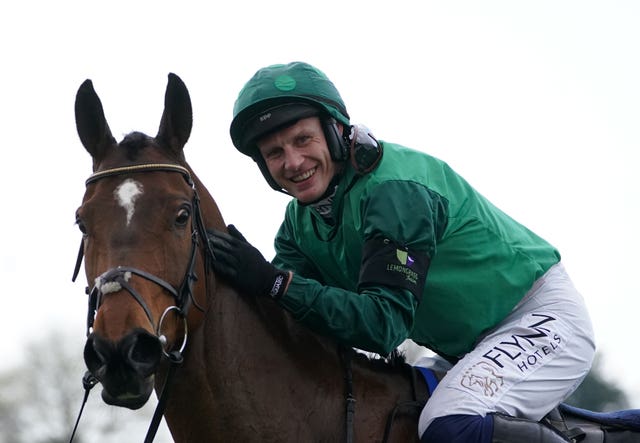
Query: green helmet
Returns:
{"type": "Point", "coordinates": [278, 95]}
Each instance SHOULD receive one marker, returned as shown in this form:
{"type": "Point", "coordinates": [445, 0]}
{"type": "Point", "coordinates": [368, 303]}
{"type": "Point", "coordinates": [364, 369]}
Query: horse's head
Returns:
{"type": "Point", "coordinates": [143, 243]}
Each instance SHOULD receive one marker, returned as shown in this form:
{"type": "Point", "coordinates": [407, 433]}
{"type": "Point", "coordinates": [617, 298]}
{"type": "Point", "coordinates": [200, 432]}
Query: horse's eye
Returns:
{"type": "Point", "coordinates": [183, 217]}
{"type": "Point", "coordinates": [81, 225]}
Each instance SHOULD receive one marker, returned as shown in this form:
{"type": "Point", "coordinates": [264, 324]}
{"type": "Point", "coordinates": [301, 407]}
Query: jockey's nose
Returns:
{"type": "Point", "coordinates": [293, 159]}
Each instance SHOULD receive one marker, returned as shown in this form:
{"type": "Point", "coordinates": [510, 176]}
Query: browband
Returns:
{"type": "Point", "coordinates": [143, 167]}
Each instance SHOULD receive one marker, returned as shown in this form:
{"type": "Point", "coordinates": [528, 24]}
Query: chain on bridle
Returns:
{"type": "Point", "coordinates": [120, 275]}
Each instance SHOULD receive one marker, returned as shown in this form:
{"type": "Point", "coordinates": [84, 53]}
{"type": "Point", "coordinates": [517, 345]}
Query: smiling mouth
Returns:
{"type": "Point", "coordinates": [305, 175]}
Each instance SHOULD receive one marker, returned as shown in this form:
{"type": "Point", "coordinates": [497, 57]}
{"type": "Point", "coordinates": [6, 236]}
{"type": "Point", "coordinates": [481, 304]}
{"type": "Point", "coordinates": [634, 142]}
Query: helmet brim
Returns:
{"type": "Point", "coordinates": [269, 120]}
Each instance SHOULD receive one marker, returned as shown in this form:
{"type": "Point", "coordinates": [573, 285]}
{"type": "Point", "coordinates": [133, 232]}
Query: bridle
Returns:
{"type": "Point", "coordinates": [183, 296]}
{"type": "Point", "coordinates": [119, 276]}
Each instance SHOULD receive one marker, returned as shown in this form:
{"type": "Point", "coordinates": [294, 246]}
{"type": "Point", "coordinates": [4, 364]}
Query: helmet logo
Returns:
{"type": "Point", "coordinates": [265, 117]}
{"type": "Point", "coordinates": [285, 83]}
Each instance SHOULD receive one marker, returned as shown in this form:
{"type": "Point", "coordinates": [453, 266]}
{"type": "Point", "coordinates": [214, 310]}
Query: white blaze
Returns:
{"type": "Point", "coordinates": [126, 194]}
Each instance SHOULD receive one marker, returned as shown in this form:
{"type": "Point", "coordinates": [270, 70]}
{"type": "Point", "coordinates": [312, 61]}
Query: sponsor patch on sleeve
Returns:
{"type": "Point", "coordinates": [388, 263]}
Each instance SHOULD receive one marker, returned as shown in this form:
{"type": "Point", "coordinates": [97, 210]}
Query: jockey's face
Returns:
{"type": "Point", "coordinates": [298, 159]}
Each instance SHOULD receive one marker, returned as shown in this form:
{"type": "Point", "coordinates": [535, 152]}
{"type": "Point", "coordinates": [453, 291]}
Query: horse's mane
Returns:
{"type": "Point", "coordinates": [133, 143]}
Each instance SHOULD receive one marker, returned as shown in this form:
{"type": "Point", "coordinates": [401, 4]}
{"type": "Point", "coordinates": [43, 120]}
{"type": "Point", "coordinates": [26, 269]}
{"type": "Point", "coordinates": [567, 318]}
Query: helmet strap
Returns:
{"type": "Point", "coordinates": [262, 165]}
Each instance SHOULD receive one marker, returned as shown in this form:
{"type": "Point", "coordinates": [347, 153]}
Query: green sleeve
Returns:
{"type": "Point", "coordinates": [290, 257]}
{"type": "Point", "coordinates": [377, 319]}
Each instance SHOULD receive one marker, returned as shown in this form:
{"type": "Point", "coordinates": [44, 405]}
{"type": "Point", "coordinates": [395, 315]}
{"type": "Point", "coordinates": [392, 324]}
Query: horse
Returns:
{"type": "Point", "coordinates": [226, 366]}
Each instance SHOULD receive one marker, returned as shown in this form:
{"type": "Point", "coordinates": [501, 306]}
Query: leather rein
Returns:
{"type": "Point", "coordinates": [120, 275]}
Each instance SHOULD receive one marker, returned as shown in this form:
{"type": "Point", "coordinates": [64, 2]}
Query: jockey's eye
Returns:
{"type": "Point", "coordinates": [302, 139]}
{"type": "Point", "coordinates": [272, 153]}
{"type": "Point", "coordinates": [183, 216]}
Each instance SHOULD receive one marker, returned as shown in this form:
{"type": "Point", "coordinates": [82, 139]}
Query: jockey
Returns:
{"type": "Point", "coordinates": [381, 243]}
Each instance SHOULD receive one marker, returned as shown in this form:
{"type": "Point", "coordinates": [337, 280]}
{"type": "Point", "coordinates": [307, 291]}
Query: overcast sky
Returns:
{"type": "Point", "coordinates": [537, 104]}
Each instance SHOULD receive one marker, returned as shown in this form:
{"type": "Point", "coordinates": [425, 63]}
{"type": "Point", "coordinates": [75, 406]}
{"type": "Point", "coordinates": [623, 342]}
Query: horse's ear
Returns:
{"type": "Point", "coordinates": [92, 126]}
{"type": "Point", "coordinates": [177, 118]}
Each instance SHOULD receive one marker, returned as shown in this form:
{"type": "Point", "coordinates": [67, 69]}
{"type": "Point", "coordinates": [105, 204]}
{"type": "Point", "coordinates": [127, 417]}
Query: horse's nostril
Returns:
{"type": "Point", "coordinates": [96, 355]}
{"type": "Point", "coordinates": [143, 353]}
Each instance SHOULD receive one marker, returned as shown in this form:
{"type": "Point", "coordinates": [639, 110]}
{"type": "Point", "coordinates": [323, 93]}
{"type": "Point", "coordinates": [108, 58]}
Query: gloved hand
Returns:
{"type": "Point", "coordinates": [244, 266]}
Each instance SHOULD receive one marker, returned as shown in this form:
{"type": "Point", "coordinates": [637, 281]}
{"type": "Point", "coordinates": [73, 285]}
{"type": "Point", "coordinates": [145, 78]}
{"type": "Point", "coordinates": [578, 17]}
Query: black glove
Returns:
{"type": "Point", "coordinates": [244, 266]}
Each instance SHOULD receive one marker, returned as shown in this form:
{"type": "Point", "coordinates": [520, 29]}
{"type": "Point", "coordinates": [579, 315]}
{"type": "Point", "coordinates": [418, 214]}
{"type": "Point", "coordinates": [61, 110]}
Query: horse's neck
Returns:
{"type": "Point", "coordinates": [247, 363]}
{"type": "Point", "coordinates": [257, 335]}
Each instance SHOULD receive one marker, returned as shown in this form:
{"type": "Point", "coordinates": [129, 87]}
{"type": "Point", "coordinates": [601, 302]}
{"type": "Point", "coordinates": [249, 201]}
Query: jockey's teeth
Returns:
{"type": "Point", "coordinates": [303, 176]}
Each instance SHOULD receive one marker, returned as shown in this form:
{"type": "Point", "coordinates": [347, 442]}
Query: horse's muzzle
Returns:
{"type": "Point", "coordinates": [124, 368]}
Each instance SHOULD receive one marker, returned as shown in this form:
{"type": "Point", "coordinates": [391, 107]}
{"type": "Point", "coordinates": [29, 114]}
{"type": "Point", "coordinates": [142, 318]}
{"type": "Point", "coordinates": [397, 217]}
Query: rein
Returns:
{"type": "Point", "coordinates": [116, 279]}
{"type": "Point", "coordinates": [346, 355]}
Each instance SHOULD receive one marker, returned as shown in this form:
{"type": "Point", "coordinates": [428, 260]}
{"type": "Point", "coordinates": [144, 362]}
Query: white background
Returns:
{"type": "Point", "coordinates": [535, 103]}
